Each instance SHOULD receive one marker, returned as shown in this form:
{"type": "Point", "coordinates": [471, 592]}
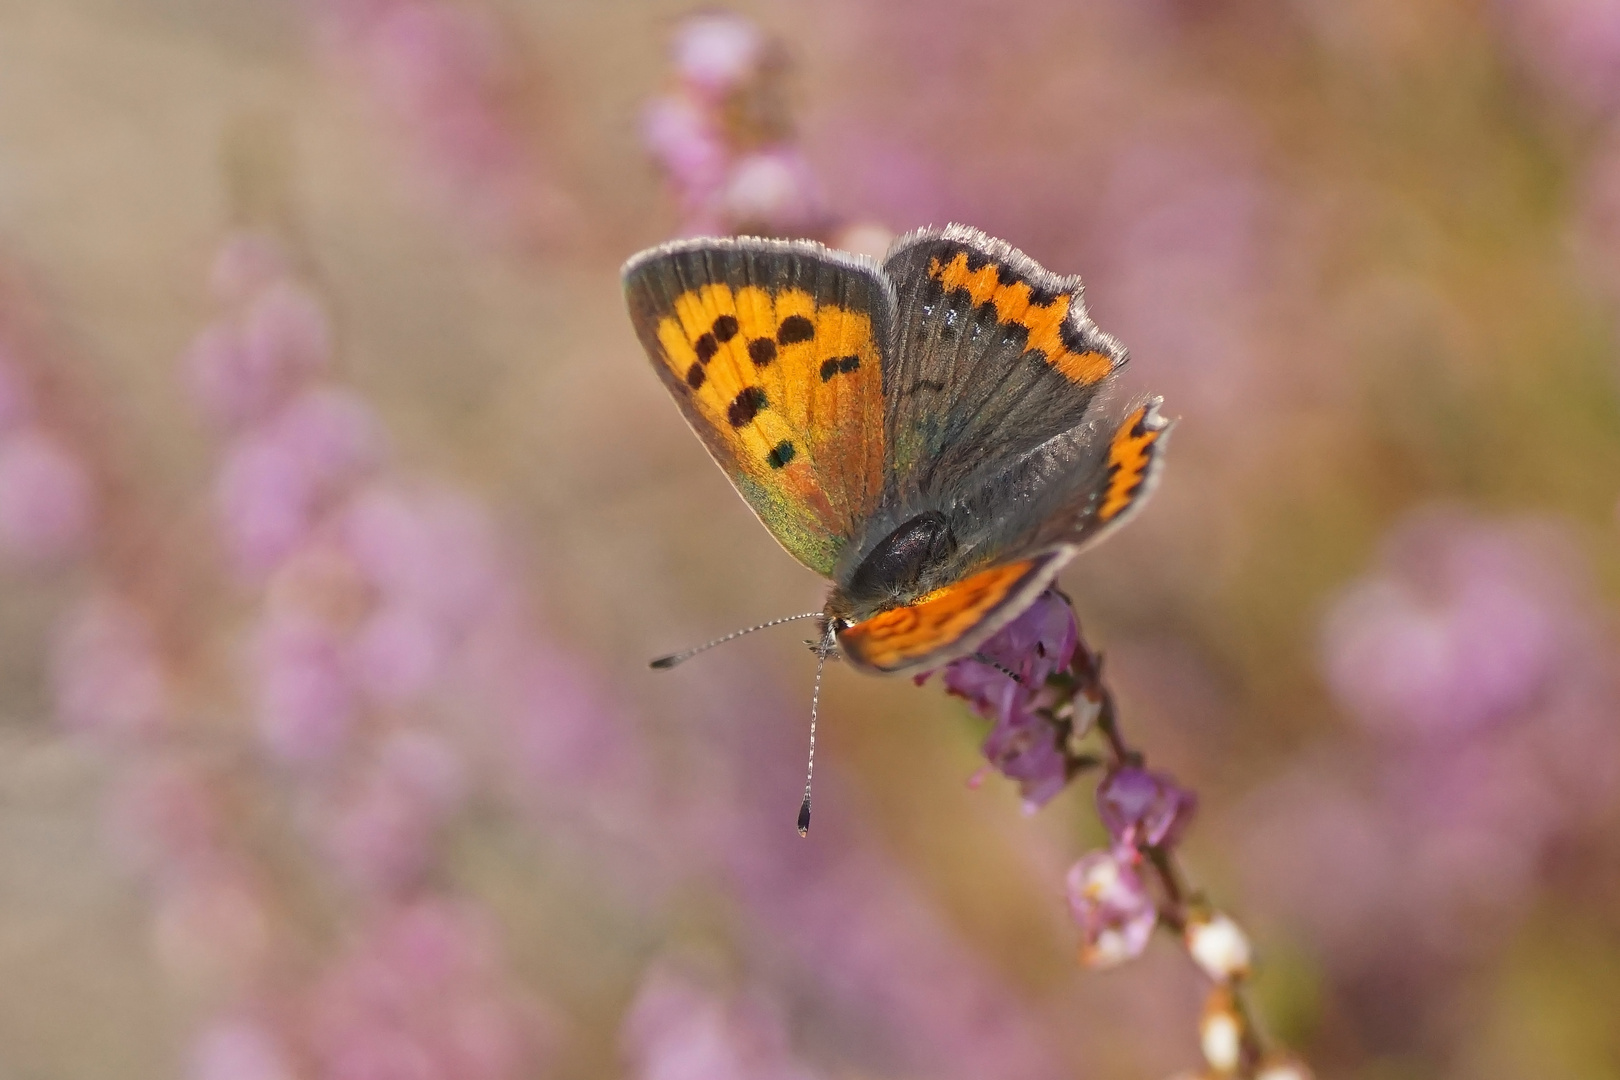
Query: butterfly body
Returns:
{"type": "Point", "coordinates": [929, 433]}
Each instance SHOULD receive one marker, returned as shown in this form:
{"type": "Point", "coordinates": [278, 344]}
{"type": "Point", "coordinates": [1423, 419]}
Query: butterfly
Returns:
{"type": "Point", "coordinates": [932, 433]}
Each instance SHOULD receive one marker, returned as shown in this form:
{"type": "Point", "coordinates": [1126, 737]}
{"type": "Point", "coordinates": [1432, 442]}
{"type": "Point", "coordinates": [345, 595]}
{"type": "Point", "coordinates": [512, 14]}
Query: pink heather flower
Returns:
{"type": "Point", "coordinates": [1112, 908]}
{"type": "Point", "coordinates": [220, 375]}
{"type": "Point", "coordinates": [1027, 747]}
{"type": "Point", "coordinates": [686, 140]}
{"type": "Point", "coordinates": [246, 263]}
{"type": "Point", "coordinates": [275, 479]}
{"type": "Point", "coordinates": [422, 996]}
{"type": "Point", "coordinates": [1464, 626]}
{"type": "Point", "coordinates": [285, 331]}
{"type": "Point", "coordinates": [334, 433]}
{"type": "Point", "coordinates": [398, 654]}
{"type": "Point", "coordinates": [305, 690]}
{"type": "Point", "coordinates": [266, 494]}
{"type": "Point", "coordinates": [428, 549]}
{"type": "Point", "coordinates": [675, 1031]}
{"type": "Point", "coordinates": [47, 500]}
{"type": "Point", "coordinates": [1572, 46]}
{"type": "Point", "coordinates": [717, 52]}
{"type": "Point", "coordinates": [16, 398]}
{"type": "Point", "coordinates": [240, 370]}
{"type": "Point", "coordinates": [1143, 809]}
{"type": "Point", "coordinates": [238, 1049]}
{"type": "Point", "coordinates": [1023, 745]}
{"type": "Point", "coordinates": [106, 673]}
{"type": "Point", "coordinates": [440, 71]}
{"type": "Point", "coordinates": [772, 191]}
{"type": "Point", "coordinates": [382, 838]}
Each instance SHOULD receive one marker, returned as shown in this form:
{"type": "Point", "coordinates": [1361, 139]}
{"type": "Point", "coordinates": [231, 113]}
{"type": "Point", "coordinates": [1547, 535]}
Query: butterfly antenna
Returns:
{"type": "Point", "coordinates": [664, 663]}
{"type": "Point", "coordinates": [815, 701]}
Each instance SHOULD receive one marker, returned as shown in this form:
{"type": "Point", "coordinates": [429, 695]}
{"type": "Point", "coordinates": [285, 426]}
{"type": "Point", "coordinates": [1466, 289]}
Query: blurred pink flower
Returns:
{"type": "Point", "coordinates": [382, 837]}
{"type": "Point", "coordinates": [674, 1030]}
{"type": "Point", "coordinates": [246, 263]}
{"type": "Point", "coordinates": [773, 191]}
{"type": "Point", "coordinates": [334, 433]}
{"type": "Point", "coordinates": [1183, 215]}
{"type": "Point", "coordinates": [106, 672]}
{"type": "Point", "coordinates": [240, 369]}
{"type": "Point", "coordinates": [430, 550]}
{"type": "Point", "coordinates": [277, 478]}
{"type": "Point", "coordinates": [1111, 906]}
{"type": "Point", "coordinates": [874, 944]}
{"type": "Point", "coordinates": [47, 499]}
{"type": "Point", "coordinates": [304, 689]}
{"type": "Point", "coordinates": [238, 1049]}
{"type": "Point", "coordinates": [266, 495]}
{"type": "Point", "coordinates": [716, 52]}
{"type": "Point", "coordinates": [285, 330]}
{"type": "Point", "coordinates": [1465, 623]}
{"type": "Point", "coordinates": [1570, 46]}
{"type": "Point", "coordinates": [398, 654]}
{"type": "Point", "coordinates": [444, 75]}
{"type": "Point", "coordinates": [421, 995]}
{"type": "Point", "coordinates": [686, 140]}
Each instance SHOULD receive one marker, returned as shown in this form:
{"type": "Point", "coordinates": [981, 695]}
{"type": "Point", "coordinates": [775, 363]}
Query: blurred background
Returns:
{"type": "Point", "coordinates": [340, 513]}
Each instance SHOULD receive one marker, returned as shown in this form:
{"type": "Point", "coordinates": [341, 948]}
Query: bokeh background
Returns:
{"type": "Point", "coordinates": [340, 514]}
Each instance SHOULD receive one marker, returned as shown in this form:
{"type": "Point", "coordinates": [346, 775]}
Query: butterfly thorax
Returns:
{"type": "Point", "coordinates": [913, 560]}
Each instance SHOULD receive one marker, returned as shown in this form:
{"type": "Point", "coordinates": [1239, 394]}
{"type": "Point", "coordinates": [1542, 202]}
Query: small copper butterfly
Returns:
{"type": "Point", "coordinates": [930, 432]}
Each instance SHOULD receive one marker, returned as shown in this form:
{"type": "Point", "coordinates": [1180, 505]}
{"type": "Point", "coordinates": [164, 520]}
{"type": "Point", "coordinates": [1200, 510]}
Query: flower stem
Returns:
{"type": "Point", "coordinates": [1180, 899]}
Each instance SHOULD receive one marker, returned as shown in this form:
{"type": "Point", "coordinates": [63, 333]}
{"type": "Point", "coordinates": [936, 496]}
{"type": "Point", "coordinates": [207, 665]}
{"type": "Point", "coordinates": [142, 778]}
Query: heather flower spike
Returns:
{"type": "Point", "coordinates": [1042, 690]}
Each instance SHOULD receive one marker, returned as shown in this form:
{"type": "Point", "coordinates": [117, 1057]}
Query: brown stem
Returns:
{"type": "Point", "coordinates": [1087, 671]}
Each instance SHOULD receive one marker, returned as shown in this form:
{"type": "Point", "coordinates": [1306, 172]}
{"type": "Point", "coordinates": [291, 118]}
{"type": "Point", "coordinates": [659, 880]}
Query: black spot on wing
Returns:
{"type": "Point", "coordinates": [839, 365]}
{"type": "Point", "coordinates": [705, 347]}
{"type": "Point", "coordinates": [695, 376]}
{"type": "Point", "coordinates": [761, 351]}
{"type": "Point", "coordinates": [745, 406]}
{"type": "Point", "coordinates": [725, 328]}
{"type": "Point", "coordinates": [782, 453]}
{"type": "Point", "coordinates": [794, 329]}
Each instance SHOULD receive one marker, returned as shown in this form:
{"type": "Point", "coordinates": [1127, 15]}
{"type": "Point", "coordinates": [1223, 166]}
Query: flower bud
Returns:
{"type": "Point", "coordinates": [1220, 1032]}
{"type": "Point", "coordinates": [1219, 946]}
{"type": "Point", "coordinates": [1282, 1067]}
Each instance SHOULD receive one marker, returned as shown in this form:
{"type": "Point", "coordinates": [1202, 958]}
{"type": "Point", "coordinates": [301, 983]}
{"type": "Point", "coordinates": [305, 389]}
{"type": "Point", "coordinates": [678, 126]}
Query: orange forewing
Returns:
{"type": "Point", "coordinates": [805, 379]}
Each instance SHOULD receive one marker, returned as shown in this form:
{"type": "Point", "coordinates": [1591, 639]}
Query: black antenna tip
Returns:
{"type": "Point", "coordinates": [804, 817]}
{"type": "Point", "coordinates": [664, 663]}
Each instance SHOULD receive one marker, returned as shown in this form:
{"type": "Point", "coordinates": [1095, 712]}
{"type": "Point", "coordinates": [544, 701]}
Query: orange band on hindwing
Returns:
{"type": "Point", "coordinates": [895, 638]}
{"type": "Point", "coordinates": [1130, 454]}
